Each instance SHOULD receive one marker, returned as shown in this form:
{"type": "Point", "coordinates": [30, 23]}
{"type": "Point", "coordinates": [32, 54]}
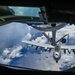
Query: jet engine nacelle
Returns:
{"type": "Point", "coordinates": [63, 40]}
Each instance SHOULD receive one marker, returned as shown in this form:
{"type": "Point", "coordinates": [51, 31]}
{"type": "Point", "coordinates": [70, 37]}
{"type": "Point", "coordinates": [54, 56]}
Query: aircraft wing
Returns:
{"type": "Point", "coordinates": [68, 47]}
{"type": "Point", "coordinates": [38, 44]}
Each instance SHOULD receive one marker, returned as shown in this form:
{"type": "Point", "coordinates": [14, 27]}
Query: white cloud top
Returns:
{"type": "Point", "coordinates": [15, 52]}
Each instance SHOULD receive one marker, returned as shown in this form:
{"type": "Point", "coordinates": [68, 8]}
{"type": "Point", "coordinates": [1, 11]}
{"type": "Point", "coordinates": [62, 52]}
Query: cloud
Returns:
{"type": "Point", "coordinates": [27, 37]}
{"type": "Point", "coordinates": [16, 52]}
{"type": "Point", "coordinates": [10, 40]}
{"type": "Point", "coordinates": [40, 40]}
{"type": "Point", "coordinates": [5, 52]}
{"type": "Point", "coordinates": [5, 61]}
{"type": "Point", "coordinates": [67, 58]}
{"type": "Point", "coordinates": [12, 34]}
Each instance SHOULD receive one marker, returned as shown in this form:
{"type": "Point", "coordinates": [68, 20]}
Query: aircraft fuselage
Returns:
{"type": "Point", "coordinates": [57, 53]}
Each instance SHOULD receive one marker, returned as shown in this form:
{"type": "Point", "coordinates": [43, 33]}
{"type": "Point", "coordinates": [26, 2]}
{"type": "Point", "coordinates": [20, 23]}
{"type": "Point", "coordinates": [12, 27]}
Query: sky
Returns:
{"type": "Point", "coordinates": [12, 47]}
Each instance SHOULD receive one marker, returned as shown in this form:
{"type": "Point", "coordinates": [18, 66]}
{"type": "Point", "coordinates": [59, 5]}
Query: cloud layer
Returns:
{"type": "Point", "coordinates": [10, 39]}
{"type": "Point", "coordinates": [13, 33]}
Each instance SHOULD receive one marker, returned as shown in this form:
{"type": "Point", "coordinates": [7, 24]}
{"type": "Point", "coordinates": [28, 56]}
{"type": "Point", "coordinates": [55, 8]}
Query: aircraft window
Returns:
{"type": "Point", "coordinates": [25, 11]}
